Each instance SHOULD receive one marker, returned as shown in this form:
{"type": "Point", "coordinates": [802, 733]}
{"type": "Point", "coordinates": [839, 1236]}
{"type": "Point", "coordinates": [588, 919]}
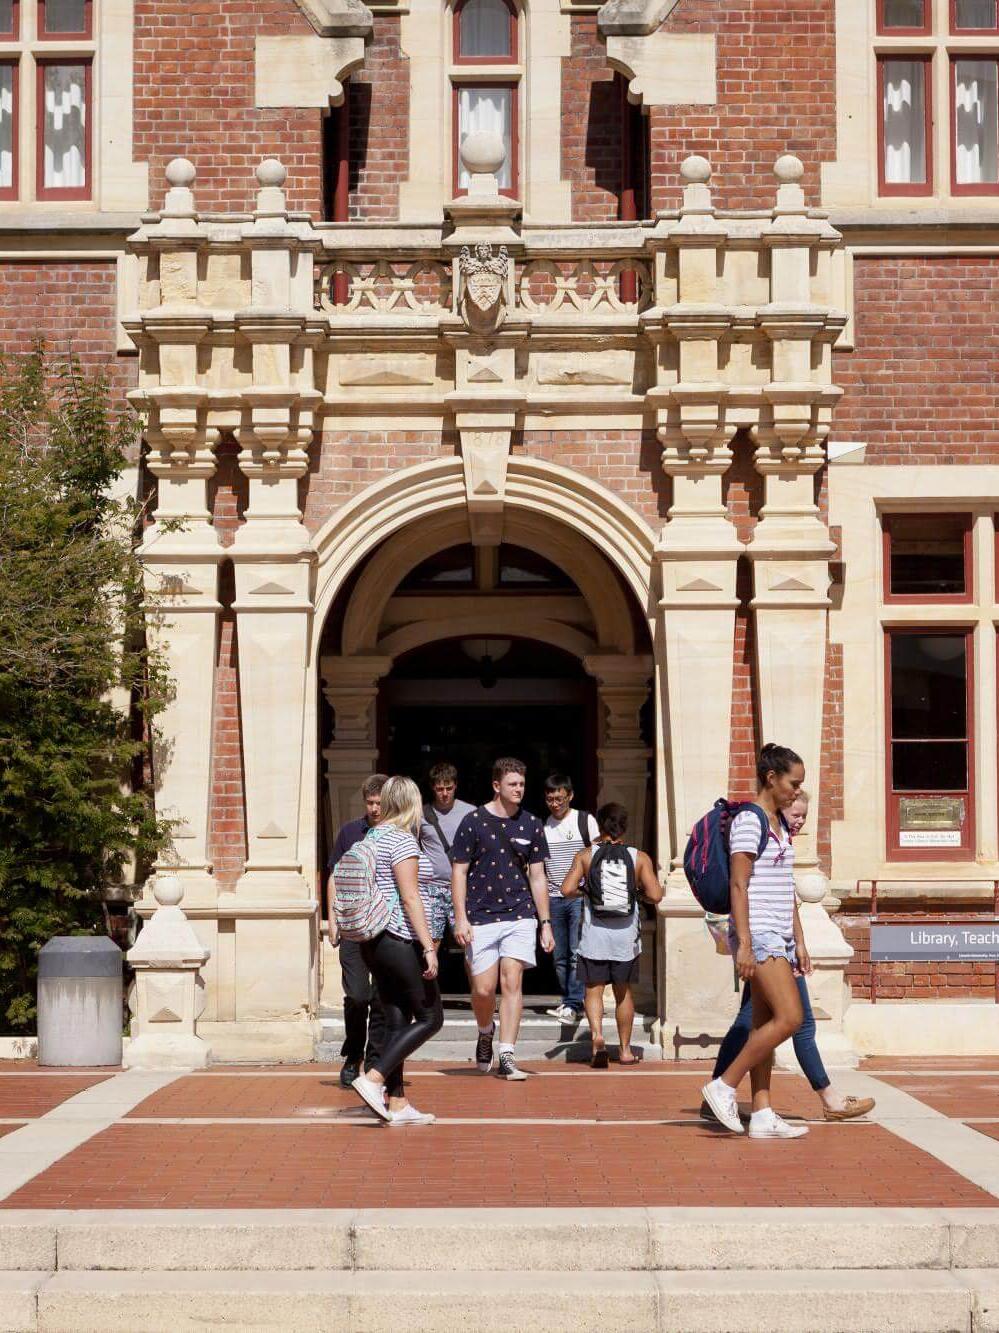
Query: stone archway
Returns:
{"type": "Point", "coordinates": [594, 625]}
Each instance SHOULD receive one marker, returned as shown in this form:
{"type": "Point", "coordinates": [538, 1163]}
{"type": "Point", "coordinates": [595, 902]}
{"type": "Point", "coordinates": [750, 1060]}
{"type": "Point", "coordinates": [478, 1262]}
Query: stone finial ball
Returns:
{"type": "Point", "coordinates": [695, 170]}
{"type": "Point", "coordinates": [180, 172]}
{"type": "Point", "coordinates": [168, 890]}
{"type": "Point", "coordinates": [271, 172]}
{"type": "Point", "coordinates": [483, 153]}
{"type": "Point", "coordinates": [789, 169]}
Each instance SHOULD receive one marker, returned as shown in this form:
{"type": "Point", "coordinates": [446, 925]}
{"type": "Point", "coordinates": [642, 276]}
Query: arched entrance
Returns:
{"type": "Point", "coordinates": [536, 644]}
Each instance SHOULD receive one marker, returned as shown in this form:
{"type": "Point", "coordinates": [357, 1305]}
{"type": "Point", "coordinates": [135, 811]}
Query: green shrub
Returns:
{"type": "Point", "coordinates": [77, 683]}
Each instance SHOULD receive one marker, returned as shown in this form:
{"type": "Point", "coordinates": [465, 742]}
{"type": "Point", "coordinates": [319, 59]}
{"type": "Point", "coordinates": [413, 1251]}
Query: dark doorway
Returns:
{"type": "Point", "coordinates": [472, 701]}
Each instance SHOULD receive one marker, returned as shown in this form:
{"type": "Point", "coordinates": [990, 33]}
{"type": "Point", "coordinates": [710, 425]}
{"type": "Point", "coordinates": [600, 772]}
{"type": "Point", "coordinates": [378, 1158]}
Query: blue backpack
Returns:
{"type": "Point", "coordinates": [706, 860]}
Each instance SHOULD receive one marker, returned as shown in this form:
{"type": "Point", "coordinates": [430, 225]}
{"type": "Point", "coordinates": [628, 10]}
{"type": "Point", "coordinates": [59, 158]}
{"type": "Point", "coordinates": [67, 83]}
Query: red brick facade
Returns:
{"type": "Point", "coordinates": [922, 385]}
{"type": "Point", "coordinates": [194, 98]}
{"type": "Point", "coordinates": [71, 304]}
{"type": "Point", "coordinates": [591, 125]}
{"type": "Point", "coordinates": [776, 67]}
{"type": "Point", "coordinates": [379, 121]}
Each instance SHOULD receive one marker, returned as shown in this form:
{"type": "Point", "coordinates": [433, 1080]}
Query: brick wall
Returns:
{"type": "Point", "coordinates": [743, 495]}
{"type": "Point", "coordinates": [227, 808]}
{"type": "Point", "coordinates": [72, 305]}
{"type": "Point", "coordinates": [776, 64]}
{"type": "Point", "coordinates": [379, 111]}
{"type": "Point", "coordinates": [194, 95]}
{"type": "Point", "coordinates": [922, 385]}
{"type": "Point", "coordinates": [625, 461]}
{"type": "Point", "coordinates": [911, 981]}
{"type": "Point", "coordinates": [591, 125]}
{"type": "Point", "coordinates": [347, 461]}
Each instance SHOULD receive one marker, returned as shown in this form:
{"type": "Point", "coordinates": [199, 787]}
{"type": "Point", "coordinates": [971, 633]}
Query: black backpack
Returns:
{"type": "Point", "coordinates": [611, 885]}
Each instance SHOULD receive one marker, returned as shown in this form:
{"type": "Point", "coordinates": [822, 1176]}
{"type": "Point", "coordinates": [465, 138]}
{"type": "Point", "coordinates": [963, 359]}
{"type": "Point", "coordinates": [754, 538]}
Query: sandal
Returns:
{"type": "Point", "coordinates": [600, 1059]}
{"type": "Point", "coordinates": [636, 1059]}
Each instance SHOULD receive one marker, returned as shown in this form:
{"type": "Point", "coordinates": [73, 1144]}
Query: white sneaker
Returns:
{"type": "Point", "coordinates": [557, 1011]}
{"type": "Point", "coordinates": [768, 1125]}
{"type": "Point", "coordinates": [409, 1115]}
{"type": "Point", "coordinates": [723, 1103]}
{"type": "Point", "coordinates": [373, 1094]}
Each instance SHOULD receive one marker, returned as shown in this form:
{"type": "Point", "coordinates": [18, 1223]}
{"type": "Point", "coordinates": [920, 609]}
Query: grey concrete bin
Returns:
{"type": "Point", "coordinates": [79, 1001]}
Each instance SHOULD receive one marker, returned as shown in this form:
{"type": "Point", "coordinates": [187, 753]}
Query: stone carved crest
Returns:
{"type": "Point", "coordinates": [483, 280]}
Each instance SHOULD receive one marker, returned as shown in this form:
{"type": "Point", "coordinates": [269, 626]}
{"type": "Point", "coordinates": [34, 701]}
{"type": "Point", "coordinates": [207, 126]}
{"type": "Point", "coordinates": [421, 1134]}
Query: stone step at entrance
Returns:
{"type": "Point", "coordinates": [531, 1269]}
{"type": "Point", "coordinates": [541, 1036]}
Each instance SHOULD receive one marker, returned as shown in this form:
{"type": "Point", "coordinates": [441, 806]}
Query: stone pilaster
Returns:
{"type": "Point", "coordinates": [271, 553]}
{"type": "Point", "coordinates": [350, 685]}
{"type": "Point", "coordinates": [180, 551]}
{"type": "Point", "coordinates": [623, 685]}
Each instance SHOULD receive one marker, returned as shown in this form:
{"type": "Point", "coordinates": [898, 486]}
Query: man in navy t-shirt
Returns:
{"type": "Point", "coordinates": [500, 893]}
{"type": "Point", "coordinates": [363, 1016]}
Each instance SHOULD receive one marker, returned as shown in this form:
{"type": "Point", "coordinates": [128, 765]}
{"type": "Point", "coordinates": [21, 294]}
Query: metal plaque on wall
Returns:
{"type": "Point", "coordinates": [930, 821]}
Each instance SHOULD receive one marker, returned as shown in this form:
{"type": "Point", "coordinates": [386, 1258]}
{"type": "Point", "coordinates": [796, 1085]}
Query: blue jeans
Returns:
{"type": "Point", "coordinates": [567, 921]}
{"type": "Point", "coordinates": [804, 1039]}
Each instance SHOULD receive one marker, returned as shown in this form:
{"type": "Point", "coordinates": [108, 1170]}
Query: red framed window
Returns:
{"type": "Point", "coordinates": [905, 139]}
{"type": "Point", "coordinates": [487, 106]}
{"type": "Point", "coordinates": [65, 128]}
{"type": "Point", "coordinates": [930, 750]}
{"type": "Point", "coordinates": [902, 18]}
{"type": "Point", "coordinates": [927, 558]}
{"type": "Point", "coordinates": [9, 129]}
{"type": "Point", "coordinates": [974, 133]}
{"type": "Point", "coordinates": [974, 16]}
{"type": "Point", "coordinates": [485, 32]}
{"type": "Point", "coordinates": [10, 20]}
{"type": "Point", "coordinates": [60, 20]}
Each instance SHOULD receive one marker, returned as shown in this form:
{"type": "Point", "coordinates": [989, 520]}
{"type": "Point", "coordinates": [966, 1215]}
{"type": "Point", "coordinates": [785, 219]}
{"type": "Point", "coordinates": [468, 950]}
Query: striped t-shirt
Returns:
{"type": "Point", "coordinates": [395, 845]}
{"type": "Point", "coordinates": [562, 842]}
{"type": "Point", "coordinates": [771, 883]}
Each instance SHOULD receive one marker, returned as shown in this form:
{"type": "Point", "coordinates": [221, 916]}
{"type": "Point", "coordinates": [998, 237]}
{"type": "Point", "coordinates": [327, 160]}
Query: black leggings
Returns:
{"type": "Point", "coordinates": [413, 1008]}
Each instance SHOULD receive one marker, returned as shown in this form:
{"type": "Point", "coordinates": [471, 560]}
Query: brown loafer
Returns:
{"type": "Point", "coordinates": [854, 1106]}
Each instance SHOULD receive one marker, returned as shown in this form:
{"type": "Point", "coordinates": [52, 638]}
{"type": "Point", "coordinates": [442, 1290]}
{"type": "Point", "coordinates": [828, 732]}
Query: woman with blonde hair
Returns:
{"type": "Point", "coordinates": [403, 958]}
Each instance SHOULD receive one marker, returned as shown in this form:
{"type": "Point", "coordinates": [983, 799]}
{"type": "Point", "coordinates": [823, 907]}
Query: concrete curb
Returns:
{"type": "Point", "coordinates": [628, 1302]}
{"type": "Point", "coordinates": [442, 1240]}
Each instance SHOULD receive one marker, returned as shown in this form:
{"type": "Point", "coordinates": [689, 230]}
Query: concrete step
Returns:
{"type": "Point", "coordinates": [880, 1301]}
{"type": "Point", "coordinates": [499, 1239]}
{"type": "Point", "coordinates": [541, 1038]}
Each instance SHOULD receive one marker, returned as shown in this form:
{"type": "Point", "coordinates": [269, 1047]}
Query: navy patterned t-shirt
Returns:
{"type": "Point", "coordinates": [497, 887]}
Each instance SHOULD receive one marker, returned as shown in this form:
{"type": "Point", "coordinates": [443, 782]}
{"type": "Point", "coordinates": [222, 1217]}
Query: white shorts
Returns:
{"type": "Point", "coordinates": [502, 939]}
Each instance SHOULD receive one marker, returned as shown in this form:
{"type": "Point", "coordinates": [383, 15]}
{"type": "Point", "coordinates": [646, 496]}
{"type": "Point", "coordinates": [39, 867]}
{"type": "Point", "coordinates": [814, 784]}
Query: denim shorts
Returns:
{"type": "Point", "coordinates": [770, 944]}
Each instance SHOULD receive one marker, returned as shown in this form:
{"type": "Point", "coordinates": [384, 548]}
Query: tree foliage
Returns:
{"type": "Point", "coordinates": [77, 681]}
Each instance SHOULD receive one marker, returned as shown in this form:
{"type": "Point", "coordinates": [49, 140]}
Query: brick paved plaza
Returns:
{"type": "Point", "coordinates": [269, 1198]}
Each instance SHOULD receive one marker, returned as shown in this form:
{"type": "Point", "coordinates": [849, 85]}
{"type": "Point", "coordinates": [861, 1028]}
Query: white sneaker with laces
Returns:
{"type": "Point", "coordinates": [767, 1124]}
{"type": "Point", "coordinates": [724, 1104]}
{"type": "Point", "coordinates": [409, 1115]}
{"type": "Point", "coordinates": [373, 1094]}
{"type": "Point", "coordinates": [556, 1011]}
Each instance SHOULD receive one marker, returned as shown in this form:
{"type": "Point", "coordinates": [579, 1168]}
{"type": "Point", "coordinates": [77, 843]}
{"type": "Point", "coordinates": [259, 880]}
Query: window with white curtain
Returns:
{"type": "Point", "coordinates": [976, 122]}
{"type": "Point", "coordinates": [487, 109]}
{"type": "Point", "coordinates": [46, 99]}
{"type": "Point", "coordinates": [484, 30]}
{"type": "Point", "coordinates": [7, 131]}
{"type": "Point", "coordinates": [64, 130]}
{"type": "Point", "coordinates": [904, 122]}
{"type": "Point", "coordinates": [485, 83]}
{"type": "Point", "coordinates": [975, 14]}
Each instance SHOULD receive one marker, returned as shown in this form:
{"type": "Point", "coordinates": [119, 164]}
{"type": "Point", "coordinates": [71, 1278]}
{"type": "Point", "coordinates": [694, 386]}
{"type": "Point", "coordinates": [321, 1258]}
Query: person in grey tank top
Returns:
{"type": "Point", "coordinates": [611, 877]}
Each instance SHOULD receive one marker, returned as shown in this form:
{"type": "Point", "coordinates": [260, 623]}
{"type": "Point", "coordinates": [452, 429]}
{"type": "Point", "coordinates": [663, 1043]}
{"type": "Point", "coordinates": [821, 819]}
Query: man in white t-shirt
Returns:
{"type": "Point", "coordinates": [567, 831]}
